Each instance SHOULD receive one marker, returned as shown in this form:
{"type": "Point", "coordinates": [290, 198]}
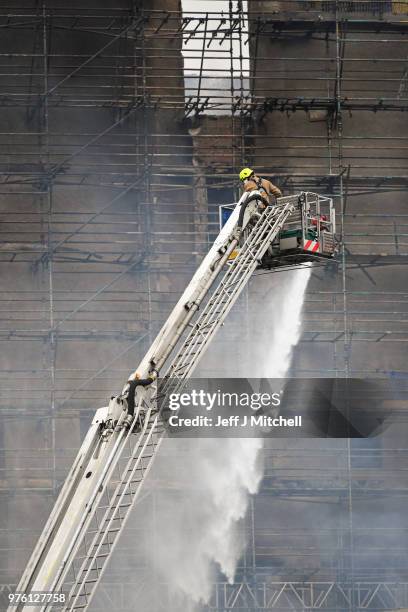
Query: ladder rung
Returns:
{"type": "Point", "coordinates": [112, 530]}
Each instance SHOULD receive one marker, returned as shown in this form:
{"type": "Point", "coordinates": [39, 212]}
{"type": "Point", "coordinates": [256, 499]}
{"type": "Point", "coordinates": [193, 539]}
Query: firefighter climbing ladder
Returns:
{"type": "Point", "coordinates": [87, 546]}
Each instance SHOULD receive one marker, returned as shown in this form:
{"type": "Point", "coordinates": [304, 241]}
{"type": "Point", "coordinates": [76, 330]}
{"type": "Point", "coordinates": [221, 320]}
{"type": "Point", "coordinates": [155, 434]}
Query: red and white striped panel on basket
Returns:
{"type": "Point", "coordinates": [311, 245]}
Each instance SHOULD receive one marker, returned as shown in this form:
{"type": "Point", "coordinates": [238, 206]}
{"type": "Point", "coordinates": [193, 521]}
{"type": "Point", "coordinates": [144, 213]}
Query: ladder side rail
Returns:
{"type": "Point", "coordinates": [69, 557]}
{"type": "Point", "coordinates": [85, 521]}
{"type": "Point", "coordinates": [222, 262]}
{"type": "Point", "coordinates": [111, 511]}
{"type": "Point", "coordinates": [195, 292]}
{"type": "Point", "coordinates": [248, 260]}
{"type": "Point", "coordinates": [186, 351]}
{"type": "Point", "coordinates": [203, 327]}
{"type": "Point", "coordinates": [220, 293]}
{"type": "Point", "coordinates": [65, 538]}
{"type": "Point", "coordinates": [41, 581]}
{"type": "Point", "coordinates": [87, 448]}
{"type": "Point", "coordinates": [240, 284]}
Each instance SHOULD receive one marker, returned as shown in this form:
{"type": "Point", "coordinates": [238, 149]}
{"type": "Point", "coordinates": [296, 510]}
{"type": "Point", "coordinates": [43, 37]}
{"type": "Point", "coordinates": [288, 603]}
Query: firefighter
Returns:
{"type": "Point", "coordinates": [251, 182]}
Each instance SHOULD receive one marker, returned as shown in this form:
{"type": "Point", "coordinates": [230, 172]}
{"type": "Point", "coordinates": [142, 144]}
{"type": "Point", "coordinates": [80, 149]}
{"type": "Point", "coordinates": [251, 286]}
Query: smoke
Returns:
{"type": "Point", "coordinates": [199, 516]}
{"type": "Point", "coordinates": [198, 527]}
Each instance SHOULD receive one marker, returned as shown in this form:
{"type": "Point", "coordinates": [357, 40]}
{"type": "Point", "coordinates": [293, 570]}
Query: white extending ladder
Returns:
{"type": "Point", "coordinates": [93, 542]}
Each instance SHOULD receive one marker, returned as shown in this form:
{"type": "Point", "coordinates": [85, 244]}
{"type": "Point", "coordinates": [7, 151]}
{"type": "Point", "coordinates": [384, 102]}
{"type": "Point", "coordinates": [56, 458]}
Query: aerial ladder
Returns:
{"type": "Point", "coordinates": [108, 473]}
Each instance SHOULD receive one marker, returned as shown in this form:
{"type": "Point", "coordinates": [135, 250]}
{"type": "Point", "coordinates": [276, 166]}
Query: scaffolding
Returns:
{"type": "Point", "coordinates": [123, 129]}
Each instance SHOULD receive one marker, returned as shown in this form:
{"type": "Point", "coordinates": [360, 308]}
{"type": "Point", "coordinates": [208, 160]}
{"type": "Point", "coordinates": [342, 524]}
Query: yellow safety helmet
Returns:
{"type": "Point", "coordinates": [245, 173]}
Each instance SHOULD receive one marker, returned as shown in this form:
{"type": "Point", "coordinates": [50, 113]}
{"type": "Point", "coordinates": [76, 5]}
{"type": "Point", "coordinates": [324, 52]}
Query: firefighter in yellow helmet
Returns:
{"type": "Point", "coordinates": [251, 182]}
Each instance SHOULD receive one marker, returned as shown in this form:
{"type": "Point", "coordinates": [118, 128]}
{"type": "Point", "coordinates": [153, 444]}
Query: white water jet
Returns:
{"type": "Point", "coordinates": [197, 527]}
{"type": "Point", "coordinates": [282, 326]}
